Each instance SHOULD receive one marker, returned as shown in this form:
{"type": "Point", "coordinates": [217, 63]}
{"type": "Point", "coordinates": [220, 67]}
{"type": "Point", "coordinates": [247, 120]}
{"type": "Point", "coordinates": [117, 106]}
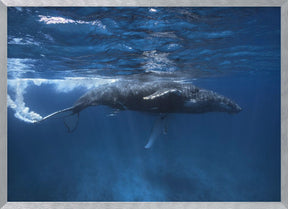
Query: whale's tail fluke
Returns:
{"type": "Point", "coordinates": [71, 122]}
{"type": "Point", "coordinates": [58, 114]}
{"type": "Point", "coordinates": [67, 114]}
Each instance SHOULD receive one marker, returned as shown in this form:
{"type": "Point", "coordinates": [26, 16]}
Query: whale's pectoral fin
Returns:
{"type": "Point", "coordinates": [71, 122]}
{"type": "Point", "coordinates": [156, 131]}
{"type": "Point", "coordinates": [163, 92]}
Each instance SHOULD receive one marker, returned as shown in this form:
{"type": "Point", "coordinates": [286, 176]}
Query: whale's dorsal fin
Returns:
{"type": "Point", "coordinates": [163, 92]}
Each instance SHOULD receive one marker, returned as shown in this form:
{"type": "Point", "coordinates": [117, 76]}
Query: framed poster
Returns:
{"type": "Point", "coordinates": [141, 104]}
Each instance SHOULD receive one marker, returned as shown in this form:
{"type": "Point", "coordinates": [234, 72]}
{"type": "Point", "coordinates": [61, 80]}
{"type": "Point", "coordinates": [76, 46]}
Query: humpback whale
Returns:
{"type": "Point", "coordinates": [157, 96]}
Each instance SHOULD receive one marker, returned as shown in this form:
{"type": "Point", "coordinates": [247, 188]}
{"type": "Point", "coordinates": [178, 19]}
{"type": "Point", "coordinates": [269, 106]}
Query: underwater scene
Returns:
{"type": "Point", "coordinates": [144, 104]}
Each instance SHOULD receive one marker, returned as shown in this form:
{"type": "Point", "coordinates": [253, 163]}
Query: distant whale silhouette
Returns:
{"type": "Point", "coordinates": [156, 96]}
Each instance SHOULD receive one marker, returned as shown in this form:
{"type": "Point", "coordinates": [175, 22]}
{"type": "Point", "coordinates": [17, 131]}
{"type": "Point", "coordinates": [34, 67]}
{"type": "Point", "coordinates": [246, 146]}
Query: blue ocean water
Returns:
{"type": "Point", "coordinates": [57, 54]}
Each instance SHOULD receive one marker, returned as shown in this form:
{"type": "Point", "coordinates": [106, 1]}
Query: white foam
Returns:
{"type": "Point", "coordinates": [55, 20]}
{"type": "Point", "coordinates": [18, 105]}
{"type": "Point", "coordinates": [22, 41]}
{"type": "Point", "coordinates": [152, 10]}
{"type": "Point", "coordinates": [17, 67]}
{"type": "Point", "coordinates": [61, 20]}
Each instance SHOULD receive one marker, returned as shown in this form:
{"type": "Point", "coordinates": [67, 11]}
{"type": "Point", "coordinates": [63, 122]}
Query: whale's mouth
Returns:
{"type": "Point", "coordinates": [229, 106]}
{"type": "Point", "coordinates": [234, 108]}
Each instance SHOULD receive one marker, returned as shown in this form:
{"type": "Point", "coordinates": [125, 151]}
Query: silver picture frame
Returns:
{"type": "Point", "coordinates": [283, 204]}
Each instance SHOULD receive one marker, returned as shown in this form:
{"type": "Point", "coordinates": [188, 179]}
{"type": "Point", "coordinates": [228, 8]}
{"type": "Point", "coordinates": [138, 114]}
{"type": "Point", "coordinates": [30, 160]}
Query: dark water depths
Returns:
{"type": "Point", "coordinates": [57, 54]}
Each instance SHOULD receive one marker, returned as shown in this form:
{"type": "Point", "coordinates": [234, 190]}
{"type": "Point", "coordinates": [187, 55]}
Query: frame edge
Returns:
{"type": "Point", "coordinates": [148, 205]}
{"type": "Point", "coordinates": [144, 3]}
{"type": "Point", "coordinates": [284, 103]}
{"type": "Point", "coordinates": [3, 108]}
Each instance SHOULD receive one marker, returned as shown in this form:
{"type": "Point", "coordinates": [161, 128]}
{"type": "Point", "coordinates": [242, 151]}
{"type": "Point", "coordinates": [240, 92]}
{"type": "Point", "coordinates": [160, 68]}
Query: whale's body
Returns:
{"type": "Point", "coordinates": [154, 96]}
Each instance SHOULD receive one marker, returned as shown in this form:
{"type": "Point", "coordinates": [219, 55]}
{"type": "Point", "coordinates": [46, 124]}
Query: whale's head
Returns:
{"type": "Point", "coordinates": [227, 105]}
{"type": "Point", "coordinates": [202, 100]}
